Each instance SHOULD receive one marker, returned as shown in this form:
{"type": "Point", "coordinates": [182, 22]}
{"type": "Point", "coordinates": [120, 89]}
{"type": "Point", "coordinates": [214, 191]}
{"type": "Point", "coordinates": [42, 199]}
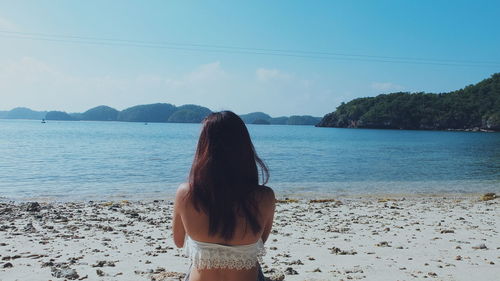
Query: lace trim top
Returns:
{"type": "Point", "coordinates": [210, 255]}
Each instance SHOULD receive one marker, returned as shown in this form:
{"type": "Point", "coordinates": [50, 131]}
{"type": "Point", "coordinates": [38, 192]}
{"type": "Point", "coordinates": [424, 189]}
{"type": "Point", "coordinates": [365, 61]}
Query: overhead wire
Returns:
{"type": "Point", "coordinates": [77, 39]}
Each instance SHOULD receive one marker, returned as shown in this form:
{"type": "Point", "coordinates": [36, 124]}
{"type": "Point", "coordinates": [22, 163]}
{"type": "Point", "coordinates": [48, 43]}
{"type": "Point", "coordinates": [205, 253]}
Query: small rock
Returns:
{"type": "Point", "coordinates": [99, 264]}
{"type": "Point", "coordinates": [104, 263]}
{"type": "Point", "coordinates": [8, 265]}
{"type": "Point", "coordinates": [99, 272]}
{"type": "Point", "coordinates": [356, 269]}
{"type": "Point", "coordinates": [338, 251]}
{"type": "Point", "coordinates": [65, 272]}
{"type": "Point", "coordinates": [5, 210]}
{"type": "Point", "coordinates": [160, 269]}
{"type": "Point", "coordinates": [33, 207]}
{"type": "Point", "coordinates": [29, 228]}
{"type": "Point", "coordinates": [458, 258]}
{"type": "Point", "coordinates": [488, 196]}
{"type": "Point", "coordinates": [297, 262]}
{"type": "Point", "coordinates": [7, 258]}
{"type": "Point", "coordinates": [383, 244]}
{"type": "Point", "coordinates": [107, 228]}
{"type": "Point", "coordinates": [290, 271]}
{"type": "Point", "coordinates": [49, 263]}
{"type": "Point", "coordinates": [481, 246]}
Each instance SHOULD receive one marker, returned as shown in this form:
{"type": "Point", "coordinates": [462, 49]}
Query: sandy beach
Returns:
{"type": "Point", "coordinates": [353, 238]}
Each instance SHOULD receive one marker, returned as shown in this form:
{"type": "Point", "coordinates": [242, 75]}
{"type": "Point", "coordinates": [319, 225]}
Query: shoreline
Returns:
{"type": "Point", "coordinates": [361, 238]}
{"type": "Point", "coordinates": [301, 197]}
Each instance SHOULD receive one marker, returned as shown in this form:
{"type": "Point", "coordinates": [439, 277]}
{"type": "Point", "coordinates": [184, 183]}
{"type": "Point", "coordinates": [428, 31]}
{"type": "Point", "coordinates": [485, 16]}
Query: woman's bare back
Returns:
{"type": "Point", "coordinates": [188, 220]}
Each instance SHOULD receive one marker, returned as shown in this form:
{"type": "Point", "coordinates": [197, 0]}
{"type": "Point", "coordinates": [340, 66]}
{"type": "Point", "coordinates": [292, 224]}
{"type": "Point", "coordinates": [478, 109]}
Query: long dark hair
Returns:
{"type": "Point", "coordinates": [224, 175]}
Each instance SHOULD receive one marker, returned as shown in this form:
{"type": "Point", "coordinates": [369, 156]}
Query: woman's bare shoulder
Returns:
{"type": "Point", "coordinates": [182, 192]}
{"type": "Point", "coordinates": [183, 188]}
{"type": "Point", "coordinates": [266, 194]}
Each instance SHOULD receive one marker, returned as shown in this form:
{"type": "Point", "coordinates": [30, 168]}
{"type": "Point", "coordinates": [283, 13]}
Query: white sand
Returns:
{"type": "Point", "coordinates": [360, 238]}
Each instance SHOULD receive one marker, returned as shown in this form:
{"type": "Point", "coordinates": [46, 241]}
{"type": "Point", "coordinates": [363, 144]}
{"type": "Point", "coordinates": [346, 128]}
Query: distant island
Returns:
{"type": "Point", "coordinates": [265, 119]}
{"type": "Point", "coordinates": [474, 108]}
{"type": "Point", "coordinates": [157, 112]}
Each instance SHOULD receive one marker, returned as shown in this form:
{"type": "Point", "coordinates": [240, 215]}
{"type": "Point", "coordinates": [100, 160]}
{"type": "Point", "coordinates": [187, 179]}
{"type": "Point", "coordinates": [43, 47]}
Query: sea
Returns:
{"type": "Point", "coordinates": [86, 160]}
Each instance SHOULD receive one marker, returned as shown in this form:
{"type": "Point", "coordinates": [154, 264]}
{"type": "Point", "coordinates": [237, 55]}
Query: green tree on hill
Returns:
{"type": "Point", "coordinates": [59, 115]}
{"type": "Point", "coordinates": [475, 106]}
{"type": "Point", "coordinates": [157, 112]}
{"type": "Point", "coordinates": [189, 113]}
{"type": "Point", "coordinates": [101, 113]}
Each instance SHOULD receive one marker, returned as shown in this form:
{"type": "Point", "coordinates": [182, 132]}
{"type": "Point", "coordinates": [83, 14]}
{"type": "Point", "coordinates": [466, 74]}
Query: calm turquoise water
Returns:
{"type": "Point", "coordinates": [108, 160]}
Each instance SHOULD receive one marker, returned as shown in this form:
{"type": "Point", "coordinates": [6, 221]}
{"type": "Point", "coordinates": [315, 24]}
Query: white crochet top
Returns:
{"type": "Point", "coordinates": [210, 255]}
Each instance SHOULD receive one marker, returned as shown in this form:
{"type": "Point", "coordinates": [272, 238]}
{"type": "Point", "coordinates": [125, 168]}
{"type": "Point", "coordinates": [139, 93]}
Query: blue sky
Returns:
{"type": "Point", "coordinates": [61, 74]}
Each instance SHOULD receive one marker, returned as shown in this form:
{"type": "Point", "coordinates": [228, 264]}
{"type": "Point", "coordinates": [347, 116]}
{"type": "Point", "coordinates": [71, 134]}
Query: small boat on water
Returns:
{"type": "Point", "coordinates": [43, 121]}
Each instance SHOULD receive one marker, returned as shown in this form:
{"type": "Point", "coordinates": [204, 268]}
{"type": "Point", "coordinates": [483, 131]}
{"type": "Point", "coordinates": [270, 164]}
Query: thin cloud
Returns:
{"type": "Point", "coordinates": [8, 25]}
{"type": "Point", "coordinates": [265, 74]}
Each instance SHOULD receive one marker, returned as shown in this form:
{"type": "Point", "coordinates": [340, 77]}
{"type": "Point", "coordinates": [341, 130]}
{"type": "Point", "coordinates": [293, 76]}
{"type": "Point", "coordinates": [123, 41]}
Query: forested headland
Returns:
{"type": "Point", "coordinates": [475, 107]}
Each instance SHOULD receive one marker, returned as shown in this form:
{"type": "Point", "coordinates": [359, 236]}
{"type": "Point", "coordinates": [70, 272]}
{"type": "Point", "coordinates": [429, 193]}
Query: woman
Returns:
{"type": "Point", "coordinates": [223, 216]}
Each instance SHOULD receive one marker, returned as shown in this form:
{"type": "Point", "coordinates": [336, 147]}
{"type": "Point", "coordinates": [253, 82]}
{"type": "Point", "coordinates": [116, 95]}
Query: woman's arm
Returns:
{"type": "Point", "coordinates": [270, 208]}
{"type": "Point", "coordinates": [178, 230]}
